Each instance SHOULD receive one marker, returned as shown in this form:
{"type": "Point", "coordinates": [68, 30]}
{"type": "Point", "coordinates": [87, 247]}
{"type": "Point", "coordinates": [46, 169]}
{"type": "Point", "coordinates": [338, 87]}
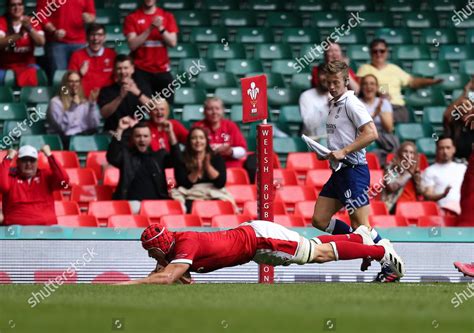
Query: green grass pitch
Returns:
{"type": "Point", "coordinates": [310, 307]}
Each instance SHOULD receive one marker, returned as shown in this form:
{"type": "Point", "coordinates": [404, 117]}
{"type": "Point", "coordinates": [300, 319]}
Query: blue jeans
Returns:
{"type": "Point", "coordinates": [58, 55]}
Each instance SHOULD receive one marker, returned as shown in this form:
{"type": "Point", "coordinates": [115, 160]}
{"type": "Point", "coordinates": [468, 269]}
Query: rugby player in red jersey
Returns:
{"type": "Point", "coordinates": [179, 253]}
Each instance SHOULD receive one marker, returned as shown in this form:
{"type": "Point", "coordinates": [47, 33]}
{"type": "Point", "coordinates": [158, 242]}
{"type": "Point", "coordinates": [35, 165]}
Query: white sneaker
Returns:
{"type": "Point", "coordinates": [365, 233]}
{"type": "Point", "coordinates": [391, 259]}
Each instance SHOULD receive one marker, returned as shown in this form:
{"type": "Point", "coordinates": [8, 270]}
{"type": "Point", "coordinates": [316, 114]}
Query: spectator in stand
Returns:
{"type": "Point", "coordinates": [334, 53]}
{"type": "Point", "coordinates": [18, 38]}
{"type": "Point", "coordinates": [142, 172]}
{"type": "Point", "coordinates": [95, 62]}
{"type": "Point", "coordinates": [64, 24]}
{"type": "Point", "coordinates": [402, 178]}
{"type": "Point", "coordinates": [314, 107]}
{"type": "Point", "coordinates": [159, 124]}
{"type": "Point", "coordinates": [458, 123]}
{"type": "Point", "coordinates": [28, 191]}
{"type": "Point", "coordinates": [125, 97]}
{"type": "Point", "coordinates": [392, 78]}
{"type": "Point", "coordinates": [150, 31]}
{"type": "Point", "coordinates": [442, 181]}
{"type": "Point", "coordinates": [70, 113]}
{"type": "Point", "coordinates": [200, 173]}
{"type": "Point", "coordinates": [381, 111]}
{"type": "Point", "coordinates": [224, 135]}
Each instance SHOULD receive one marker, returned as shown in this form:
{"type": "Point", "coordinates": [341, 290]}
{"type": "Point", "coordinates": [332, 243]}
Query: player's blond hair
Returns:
{"type": "Point", "coordinates": [335, 67]}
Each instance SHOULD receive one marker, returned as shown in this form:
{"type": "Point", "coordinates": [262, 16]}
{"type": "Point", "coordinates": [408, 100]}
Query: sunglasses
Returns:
{"type": "Point", "coordinates": [381, 51]}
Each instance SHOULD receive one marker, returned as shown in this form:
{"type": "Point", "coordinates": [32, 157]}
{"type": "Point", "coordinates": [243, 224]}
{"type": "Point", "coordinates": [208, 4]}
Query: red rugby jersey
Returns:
{"type": "Point", "coordinates": [209, 251]}
{"type": "Point", "coordinates": [152, 56]}
{"type": "Point", "coordinates": [160, 140]}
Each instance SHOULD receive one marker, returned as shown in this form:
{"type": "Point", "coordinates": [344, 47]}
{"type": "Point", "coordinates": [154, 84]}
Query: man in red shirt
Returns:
{"type": "Point", "coordinates": [178, 253]}
{"type": "Point", "coordinates": [149, 31]}
{"type": "Point", "coordinates": [28, 191]}
{"type": "Point", "coordinates": [95, 63]}
{"type": "Point", "coordinates": [64, 23]}
{"type": "Point", "coordinates": [225, 137]}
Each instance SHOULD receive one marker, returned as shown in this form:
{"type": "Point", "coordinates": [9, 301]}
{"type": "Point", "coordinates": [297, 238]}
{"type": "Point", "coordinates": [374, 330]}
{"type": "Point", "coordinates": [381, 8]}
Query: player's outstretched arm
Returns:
{"type": "Point", "coordinates": [169, 275]}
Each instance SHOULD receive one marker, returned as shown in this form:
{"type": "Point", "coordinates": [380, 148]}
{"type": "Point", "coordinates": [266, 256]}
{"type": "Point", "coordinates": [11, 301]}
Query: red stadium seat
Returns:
{"type": "Point", "coordinates": [237, 176]}
{"type": "Point", "coordinates": [317, 178]}
{"type": "Point", "coordinates": [372, 161]}
{"type": "Point", "coordinates": [78, 221]}
{"type": "Point", "coordinates": [128, 221]}
{"type": "Point", "coordinates": [289, 221]}
{"type": "Point", "coordinates": [228, 221]}
{"type": "Point", "coordinates": [305, 209]}
{"type": "Point", "coordinates": [284, 177]}
{"type": "Point", "coordinates": [304, 162]}
{"type": "Point", "coordinates": [78, 176]}
{"type": "Point", "coordinates": [104, 209]}
{"type": "Point", "coordinates": [387, 221]}
{"type": "Point", "coordinates": [111, 176]}
{"type": "Point", "coordinates": [63, 208]}
{"type": "Point", "coordinates": [207, 209]}
{"type": "Point", "coordinates": [276, 160]}
{"type": "Point", "coordinates": [423, 160]}
{"type": "Point", "coordinates": [242, 193]}
{"type": "Point", "coordinates": [292, 194]}
{"type": "Point", "coordinates": [5, 278]}
{"type": "Point", "coordinates": [58, 196]}
{"type": "Point", "coordinates": [68, 159]}
{"type": "Point", "coordinates": [97, 161]}
{"type": "Point", "coordinates": [437, 221]}
{"type": "Point", "coordinates": [413, 210]}
{"type": "Point", "coordinates": [155, 209]}
{"type": "Point", "coordinates": [376, 177]}
{"type": "Point", "coordinates": [87, 193]}
{"type": "Point", "coordinates": [343, 216]}
{"type": "Point", "coordinates": [250, 208]}
{"type": "Point", "coordinates": [45, 276]}
{"type": "Point", "coordinates": [110, 277]}
{"type": "Point", "coordinates": [181, 221]}
{"type": "Point", "coordinates": [378, 208]}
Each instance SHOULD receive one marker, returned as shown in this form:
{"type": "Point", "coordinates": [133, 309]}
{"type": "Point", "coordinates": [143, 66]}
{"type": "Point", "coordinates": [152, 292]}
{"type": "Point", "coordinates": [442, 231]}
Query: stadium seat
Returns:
{"type": "Point", "coordinates": [6, 95]}
{"type": "Point", "coordinates": [359, 52]}
{"type": "Point", "coordinates": [223, 52]}
{"type": "Point", "coordinates": [242, 67]}
{"type": "Point", "coordinates": [237, 176]}
{"type": "Point", "coordinates": [328, 19]}
{"type": "Point", "coordinates": [111, 176]}
{"type": "Point", "coordinates": [303, 162]}
{"type": "Point", "coordinates": [419, 20]}
{"type": "Point", "coordinates": [373, 161]}
{"type": "Point", "coordinates": [387, 221]}
{"type": "Point", "coordinates": [282, 20]}
{"type": "Point", "coordinates": [185, 96]}
{"type": "Point", "coordinates": [356, 36]}
{"type": "Point", "coordinates": [9, 79]}
{"type": "Point", "coordinates": [376, 20]}
{"type": "Point", "coordinates": [11, 126]}
{"type": "Point", "coordinates": [63, 208]}
{"type": "Point", "coordinates": [183, 51]}
{"type": "Point", "coordinates": [75, 221]}
{"type": "Point", "coordinates": [282, 96]}
{"type": "Point", "coordinates": [433, 115]}
{"type": "Point", "coordinates": [128, 221]}
{"type": "Point", "coordinates": [192, 18]}
{"type": "Point", "coordinates": [305, 209]}
{"type": "Point", "coordinates": [96, 160]}
{"type": "Point", "coordinates": [104, 209]}
{"type": "Point", "coordinates": [284, 67]}
{"type": "Point", "coordinates": [437, 221]}
{"type": "Point", "coordinates": [206, 209]}
{"type": "Point", "coordinates": [290, 120]}
{"type": "Point", "coordinates": [467, 67]}
{"type": "Point", "coordinates": [317, 178]}
{"type": "Point", "coordinates": [300, 35]}
{"type": "Point", "coordinates": [301, 81]}
{"type": "Point", "coordinates": [410, 52]}
{"type": "Point", "coordinates": [238, 18]}
{"type": "Point", "coordinates": [113, 33]}
{"type": "Point", "coordinates": [220, 5]}
{"type": "Point", "coordinates": [181, 221]}
{"type": "Point", "coordinates": [413, 210]}
{"type": "Point", "coordinates": [376, 177]}
{"type": "Point", "coordinates": [192, 113]}
{"type": "Point", "coordinates": [283, 146]}
{"type": "Point", "coordinates": [176, 4]}
{"type": "Point", "coordinates": [356, 5]}
{"type": "Point", "coordinates": [430, 68]}
{"type": "Point", "coordinates": [427, 146]}
{"type": "Point", "coordinates": [438, 35]}
{"type": "Point", "coordinates": [425, 97]}
{"type": "Point", "coordinates": [272, 51]}
{"type": "Point", "coordinates": [80, 176]}
{"type": "Point", "coordinates": [452, 81]}
{"type": "Point", "coordinates": [291, 194]}
{"type": "Point", "coordinates": [228, 220]}
{"type": "Point", "coordinates": [186, 63]}
{"type": "Point", "coordinates": [208, 34]}
{"type": "Point", "coordinates": [399, 6]}
{"type": "Point", "coordinates": [289, 221]}
{"type": "Point", "coordinates": [455, 52]}
{"type": "Point", "coordinates": [12, 111]}
{"type": "Point", "coordinates": [242, 193]}
{"type": "Point", "coordinates": [68, 159]}
{"type": "Point", "coordinates": [83, 194]}
{"type": "Point", "coordinates": [310, 5]}
{"type": "Point", "coordinates": [229, 96]}
{"type": "Point", "coordinates": [155, 209]}
{"type": "Point", "coordinates": [35, 95]}
{"type": "Point", "coordinates": [266, 5]}
{"type": "Point", "coordinates": [107, 16]}
{"type": "Point", "coordinates": [378, 208]}
{"type": "Point", "coordinates": [213, 80]}
{"type": "Point", "coordinates": [283, 177]}
{"type": "Point", "coordinates": [38, 141]}
{"type": "Point", "coordinates": [394, 35]}
{"type": "Point", "coordinates": [250, 208]}
{"type": "Point", "coordinates": [411, 131]}
{"type": "Point", "coordinates": [254, 35]}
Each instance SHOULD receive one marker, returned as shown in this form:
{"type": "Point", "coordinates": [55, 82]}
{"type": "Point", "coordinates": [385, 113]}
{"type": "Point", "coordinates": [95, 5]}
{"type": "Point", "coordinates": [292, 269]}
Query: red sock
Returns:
{"type": "Point", "coordinates": [356, 238]}
{"type": "Point", "coordinates": [350, 250]}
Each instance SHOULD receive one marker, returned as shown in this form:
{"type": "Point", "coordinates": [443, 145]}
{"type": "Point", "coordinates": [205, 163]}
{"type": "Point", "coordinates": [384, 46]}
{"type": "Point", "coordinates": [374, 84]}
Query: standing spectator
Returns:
{"type": "Point", "coordinates": [125, 96]}
{"type": "Point", "coordinates": [95, 62]}
{"type": "Point", "coordinates": [314, 107]}
{"type": "Point", "coordinates": [402, 178]}
{"type": "Point", "coordinates": [70, 113]}
{"type": "Point", "coordinates": [149, 31]}
{"type": "Point", "coordinates": [159, 124]}
{"type": "Point", "coordinates": [200, 173]}
{"type": "Point", "coordinates": [224, 135]}
{"type": "Point", "coordinates": [382, 113]}
{"type": "Point", "coordinates": [142, 172]}
{"type": "Point", "coordinates": [28, 191]}
{"type": "Point", "coordinates": [392, 78]}
{"type": "Point", "coordinates": [442, 181]}
{"type": "Point", "coordinates": [18, 39]}
{"type": "Point", "coordinates": [64, 24]}
{"type": "Point", "coordinates": [334, 53]}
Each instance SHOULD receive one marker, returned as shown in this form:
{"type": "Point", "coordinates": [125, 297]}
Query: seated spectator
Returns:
{"type": "Point", "coordinates": [65, 29]}
{"type": "Point", "coordinates": [224, 135]}
{"type": "Point", "coordinates": [95, 62]}
{"type": "Point", "coordinates": [28, 191]}
{"type": "Point", "coordinates": [70, 113]}
{"type": "Point", "coordinates": [125, 97]}
{"type": "Point", "coordinates": [458, 123]}
{"type": "Point", "coordinates": [402, 178]}
{"type": "Point", "coordinates": [392, 78]}
{"type": "Point", "coordinates": [314, 107]}
{"type": "Point", "coordinates": [381, 111]}
{"type": "Point", "coordinates": [159, 124]}
{"type": "Point", "coordinates": [442, 181]}
{"type": "Point", "coordinates": [334, 53]}
{"type": "Point", "coordinates": [142, 172]}
{"type": "Point", "coordinates": [200, 173]}
{"type": "Point", "coordinates": [18, 39]}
